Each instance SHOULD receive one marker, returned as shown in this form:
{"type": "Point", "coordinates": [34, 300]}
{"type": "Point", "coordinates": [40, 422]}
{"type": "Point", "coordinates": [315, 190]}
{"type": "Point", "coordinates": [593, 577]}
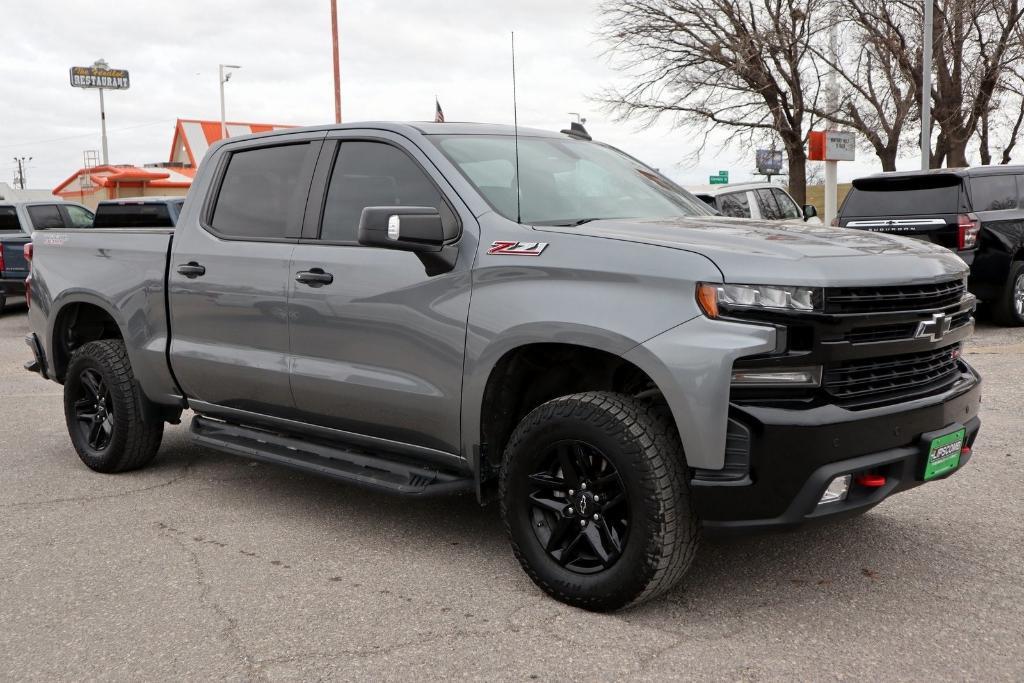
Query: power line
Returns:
{"type": "Point", "coordinates": [83, 135]}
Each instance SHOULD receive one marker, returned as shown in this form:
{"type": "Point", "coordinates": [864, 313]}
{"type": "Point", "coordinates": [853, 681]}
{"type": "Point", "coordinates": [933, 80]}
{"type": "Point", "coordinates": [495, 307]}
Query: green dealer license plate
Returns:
{"type": "Point", "coordinates": [944, 454]}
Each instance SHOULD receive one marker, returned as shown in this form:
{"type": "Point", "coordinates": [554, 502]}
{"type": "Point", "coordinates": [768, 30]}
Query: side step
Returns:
{"type": "Point", "coordinates": [336, 462]}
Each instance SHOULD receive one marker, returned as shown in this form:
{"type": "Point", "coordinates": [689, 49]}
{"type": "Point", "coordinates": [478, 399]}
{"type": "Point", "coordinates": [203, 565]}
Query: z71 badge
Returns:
{"type": "Point", "coordinates": [506, 248]}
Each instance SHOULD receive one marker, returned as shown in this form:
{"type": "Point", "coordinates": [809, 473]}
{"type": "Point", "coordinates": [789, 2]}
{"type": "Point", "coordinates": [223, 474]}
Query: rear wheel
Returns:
{"type": "Point", "coordinates": [102, 410]}
{"type": "Point", "coordinates": [3, 301]}
{"type": "Point", "coordinates": [1009, 310]}
{"type": "Point", "coordinates": [595, 500]}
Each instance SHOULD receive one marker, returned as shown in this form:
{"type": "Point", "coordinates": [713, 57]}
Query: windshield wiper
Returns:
{"type": "Point", "coordinates": [567, 224]}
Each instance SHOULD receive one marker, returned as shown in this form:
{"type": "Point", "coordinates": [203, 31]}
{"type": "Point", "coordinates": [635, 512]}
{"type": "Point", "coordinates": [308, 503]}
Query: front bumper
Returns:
{"type": "Point", "coordinates": [794, 454]}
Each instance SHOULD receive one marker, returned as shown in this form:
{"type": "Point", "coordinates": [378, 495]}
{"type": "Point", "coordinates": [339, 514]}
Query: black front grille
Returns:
{"type": "Point", "coordinates": [895, 298]}
{"type": "Point", "coordinates": [896, 331]}
{"type": "Point", "coordinates": [894, 377]}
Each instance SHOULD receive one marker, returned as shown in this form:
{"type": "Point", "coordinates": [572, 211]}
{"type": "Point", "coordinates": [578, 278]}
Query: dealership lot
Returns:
{"type": "Point", "coordinates": [204, 565]}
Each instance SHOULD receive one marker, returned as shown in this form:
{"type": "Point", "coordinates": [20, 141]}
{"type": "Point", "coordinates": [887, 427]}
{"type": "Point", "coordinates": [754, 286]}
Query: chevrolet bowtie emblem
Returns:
{"type": "Point", "coordinates": [934, 329]}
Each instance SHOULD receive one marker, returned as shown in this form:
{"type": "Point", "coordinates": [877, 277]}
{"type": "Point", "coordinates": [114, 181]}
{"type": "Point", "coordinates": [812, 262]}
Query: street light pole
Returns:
{"type": "Point", "coordinates": [102, 64]}
{"type": "Point", "coordinates": [223, 77]}
{"type": "Point", "coordinates": [926, 85]}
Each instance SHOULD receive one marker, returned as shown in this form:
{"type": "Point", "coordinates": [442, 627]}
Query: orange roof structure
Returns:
{"type": "Point", "coordinates": [91, 179]}
{"type": "Point", "coordinates": [193, 137]}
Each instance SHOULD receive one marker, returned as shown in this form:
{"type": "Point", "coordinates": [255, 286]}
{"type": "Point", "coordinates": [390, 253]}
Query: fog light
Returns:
{"type": "Point", "coordinates": [769, 377]}
{"type": "Point", "coordinates": [836, 491]}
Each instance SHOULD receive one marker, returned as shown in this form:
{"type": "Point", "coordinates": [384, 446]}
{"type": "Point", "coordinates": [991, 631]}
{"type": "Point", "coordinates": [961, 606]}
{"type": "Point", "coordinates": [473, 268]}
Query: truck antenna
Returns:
{"type": "Point", "coordinates": [515, 128]}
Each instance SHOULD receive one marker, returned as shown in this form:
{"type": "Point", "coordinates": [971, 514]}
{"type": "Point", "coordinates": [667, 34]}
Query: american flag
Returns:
{"type": "Point", "coordinates": [438, 112]}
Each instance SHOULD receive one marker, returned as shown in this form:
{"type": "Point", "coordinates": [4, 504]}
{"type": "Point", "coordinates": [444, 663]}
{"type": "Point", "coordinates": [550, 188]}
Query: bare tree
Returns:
{"type": "Point", "coordinates": [741, 66]}
{"type": "Point", "coordinates": [976, 45]}
{"type": "Point", "coordinates": [876, 97]}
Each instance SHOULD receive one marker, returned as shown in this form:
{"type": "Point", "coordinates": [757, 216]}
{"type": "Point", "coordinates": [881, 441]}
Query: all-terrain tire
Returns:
{"type": "Point", "coordinates": [99, 383]}
{"type": "Point", "coordinates": [642, 444]}
{"type": "Point", "coordinates": [1009, 309]}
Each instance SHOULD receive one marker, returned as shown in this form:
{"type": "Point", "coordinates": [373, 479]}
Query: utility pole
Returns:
{"type": "Point", "coordinates": [19, 178]}
{"type": "Point", "coordinates": [926, 85]}
{"type": "Point", "coordinates": [337, 58]}
{"type": "Point", "coordinates": [224, 77]}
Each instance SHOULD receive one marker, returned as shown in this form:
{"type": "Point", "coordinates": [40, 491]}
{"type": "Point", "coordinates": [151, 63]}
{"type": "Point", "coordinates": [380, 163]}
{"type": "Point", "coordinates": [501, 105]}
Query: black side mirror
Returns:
{"type": "Point", "coordinates": [406, 228]}
{"type": "Point", "coordinates": [809, 211]}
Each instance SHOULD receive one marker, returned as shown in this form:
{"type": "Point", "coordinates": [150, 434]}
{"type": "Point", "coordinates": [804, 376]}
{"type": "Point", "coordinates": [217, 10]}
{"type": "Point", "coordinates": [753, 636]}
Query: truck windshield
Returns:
{"type": "Point", "coordinates": [565, 182]}
{"type": "Point", "coordinates": [134, 215]}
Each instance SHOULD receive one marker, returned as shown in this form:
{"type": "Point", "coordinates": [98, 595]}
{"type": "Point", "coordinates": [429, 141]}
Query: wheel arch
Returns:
{"type": "Point", "coordinates": [77, 321]}
{"type": "Point", "coordinates": [526, 374]}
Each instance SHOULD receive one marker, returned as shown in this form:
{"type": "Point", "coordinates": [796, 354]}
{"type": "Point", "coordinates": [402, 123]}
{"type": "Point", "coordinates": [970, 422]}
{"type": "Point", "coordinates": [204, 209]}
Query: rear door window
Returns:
{"type": "Point", "coordinates": [262, 192]}
{"type": "Point", "coordinates": [734, 204]}
{"type": "Point", "coordinates": [994, 192]}
{"type": "Point", "coordinates": [46, 217]}
{"type": "Point", "coordinates": [787, 206]}
{"type": "Point", "coordinates": [9, 218]}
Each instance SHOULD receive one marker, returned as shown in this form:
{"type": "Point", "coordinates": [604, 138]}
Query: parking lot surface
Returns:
{"type": "Point", "coordinates": [208, 566]}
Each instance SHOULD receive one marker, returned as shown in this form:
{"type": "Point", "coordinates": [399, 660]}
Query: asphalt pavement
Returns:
{"type": "Point", "coordinates": [206, 566]}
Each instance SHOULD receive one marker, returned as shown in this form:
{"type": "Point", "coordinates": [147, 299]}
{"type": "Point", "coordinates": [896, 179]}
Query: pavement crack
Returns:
{"type": "Point", "coordinates": [250, 667]}
{"type": "Point", "coordinates": [101, 496]}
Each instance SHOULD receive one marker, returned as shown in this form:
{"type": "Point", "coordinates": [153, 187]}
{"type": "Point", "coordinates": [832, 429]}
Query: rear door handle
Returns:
{"type": "Point", "coordinates": [192, 269]}
{"type": "Point", "coordinates": [314, 277]}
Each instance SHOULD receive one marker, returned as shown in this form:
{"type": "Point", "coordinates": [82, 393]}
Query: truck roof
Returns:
{"type": "Point", "coordinates": [961, 172]}
{"type": "Point", "coordinates": [421, 127]}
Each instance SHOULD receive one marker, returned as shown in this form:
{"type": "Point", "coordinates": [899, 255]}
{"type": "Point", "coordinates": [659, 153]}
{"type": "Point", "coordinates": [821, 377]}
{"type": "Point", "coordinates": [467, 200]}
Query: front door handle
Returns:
{"type": "Point", "coordinates": [314, 277]}
{"type": "Point", "coordinates": [192, 269]}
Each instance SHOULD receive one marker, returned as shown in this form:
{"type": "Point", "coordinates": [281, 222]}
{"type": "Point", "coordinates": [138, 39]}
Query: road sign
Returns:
{"type": "Point", "coordinates": [721, 179]}
{"type": "Point", "coordinates": [99, 77]}
{"type": "Point", "coordinates": [832, 145]}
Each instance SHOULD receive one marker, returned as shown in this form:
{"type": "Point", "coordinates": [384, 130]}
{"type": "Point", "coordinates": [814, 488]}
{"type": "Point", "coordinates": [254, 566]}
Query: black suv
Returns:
{"type": "Point", "coordinates": [976, 212]}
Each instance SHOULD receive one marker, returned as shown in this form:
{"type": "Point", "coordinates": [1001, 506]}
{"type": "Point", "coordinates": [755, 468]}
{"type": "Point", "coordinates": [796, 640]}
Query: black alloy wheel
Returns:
{"type": "Point", "coordinates": [103, 409]}
{"type": "Point", "coordinates": [94, 410]}
{"type": "Point", "coordinates": [595, 500]}
{"type": "Point", "coordinates": [580, 509]}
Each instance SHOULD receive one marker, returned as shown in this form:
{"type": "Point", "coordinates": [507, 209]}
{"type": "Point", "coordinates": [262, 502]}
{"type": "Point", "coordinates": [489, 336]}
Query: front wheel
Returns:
{"type": "Point", "coordinates": [102, 410]}
{"type": "Point", "coordinates": [595, 500]}
{"type": "Point", "coordinates": [1009, 309]}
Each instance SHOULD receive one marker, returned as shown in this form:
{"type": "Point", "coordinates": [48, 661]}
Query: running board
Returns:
{"type": "Point", "coordinates": [336, 462]}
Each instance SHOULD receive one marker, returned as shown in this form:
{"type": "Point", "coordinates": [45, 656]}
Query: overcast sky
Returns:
{"type": "Point", "coordinates": [395, 56]}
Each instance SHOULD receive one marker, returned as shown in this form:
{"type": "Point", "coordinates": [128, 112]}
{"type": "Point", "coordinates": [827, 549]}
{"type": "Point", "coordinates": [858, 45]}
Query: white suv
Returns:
{"type": "Point", "coordinates": [762, 201]}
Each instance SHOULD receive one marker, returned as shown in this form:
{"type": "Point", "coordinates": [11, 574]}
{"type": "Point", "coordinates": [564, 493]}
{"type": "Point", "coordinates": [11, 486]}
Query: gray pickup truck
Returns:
{"type": "Point", "coordinates": [539, 319]}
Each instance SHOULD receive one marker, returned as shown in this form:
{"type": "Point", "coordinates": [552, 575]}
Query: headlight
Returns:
{"type": "Point", "coordinates": [710, 296]}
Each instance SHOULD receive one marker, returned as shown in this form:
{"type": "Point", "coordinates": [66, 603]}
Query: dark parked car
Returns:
{"type": "Point", "coordinates": [976, 212]}
{"type": "Point", "coordinates": [18, 220]}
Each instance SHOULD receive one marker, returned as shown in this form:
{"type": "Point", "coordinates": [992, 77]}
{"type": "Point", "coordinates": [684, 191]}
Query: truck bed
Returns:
{"type": "Point", "coordinates": [123, 271]}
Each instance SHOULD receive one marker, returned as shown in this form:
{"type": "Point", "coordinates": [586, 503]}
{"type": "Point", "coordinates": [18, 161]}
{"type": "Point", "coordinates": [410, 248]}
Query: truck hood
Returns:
{"type": "Point", "coordinates": [758, 252]}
